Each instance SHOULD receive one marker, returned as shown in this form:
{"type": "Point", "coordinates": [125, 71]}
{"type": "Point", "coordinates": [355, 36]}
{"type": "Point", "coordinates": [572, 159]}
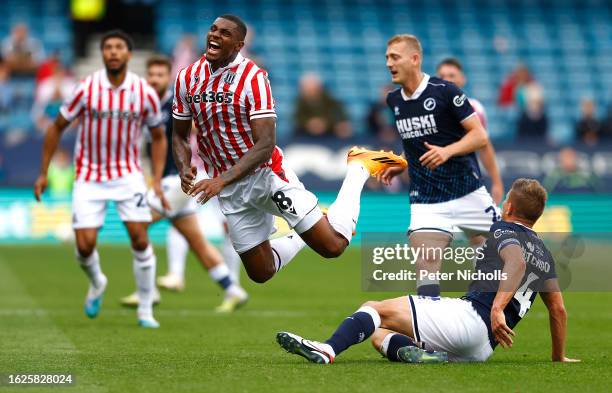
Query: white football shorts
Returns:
{"type": "Point", "coordinates": [251, 204]}
{"type": "Point", "coordinates": [450, 325]}
{"type": "Point", "coordinates": [473, 214]}
{"type": "Point", "coordinates": [90, 200]}
{"type": "Point", "coordinates": [181, 204]}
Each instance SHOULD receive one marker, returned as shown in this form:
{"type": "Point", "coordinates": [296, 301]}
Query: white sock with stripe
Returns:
{"type": "Point", "coordinates": [285, 249]}
{"type": "Point", "coordinates": [144, 272]}
{"type": "Point", "coordinates": [91, 267]}
{"type": "Point", "coordinates": [344, 212]}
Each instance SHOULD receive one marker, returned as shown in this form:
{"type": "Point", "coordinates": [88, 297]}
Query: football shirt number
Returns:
{"type": "Point", "coordinates": [523, 294]}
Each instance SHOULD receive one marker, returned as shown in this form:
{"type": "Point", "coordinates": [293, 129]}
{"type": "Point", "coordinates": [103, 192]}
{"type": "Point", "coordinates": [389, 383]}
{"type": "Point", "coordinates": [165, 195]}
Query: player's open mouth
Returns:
{"type": "Point", "coordinates": [214, 47]}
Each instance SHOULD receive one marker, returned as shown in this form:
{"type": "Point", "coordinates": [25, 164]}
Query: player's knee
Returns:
{"type": "Point", "coordinates": [140, 242]}
{"type": "Point", "coordinates": [86, 249]}
{"type": "Point", "coordinates": [261, 274]}
{"type": "Point", "coordinates": [372, 304]}
{"type": "Point", "coordinates": [333, 249]}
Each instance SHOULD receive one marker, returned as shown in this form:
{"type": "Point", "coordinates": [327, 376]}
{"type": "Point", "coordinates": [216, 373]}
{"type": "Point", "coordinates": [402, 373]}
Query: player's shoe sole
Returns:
{"type": "Point", "coordinates": [418, 355]}
{"type": "Point", "coordinates": [93, 304]}
{"type": "Point", "coordinates": [295, 344]}
{"type": "Point", "coordinates": [375, 161]}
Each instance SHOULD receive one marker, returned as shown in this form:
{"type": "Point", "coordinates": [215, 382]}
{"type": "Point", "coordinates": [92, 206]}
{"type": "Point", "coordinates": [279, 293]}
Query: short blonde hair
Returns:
{"type": "Point", "coordinates": [411, 40]}
{"type": "Point", "coordinates": [528, 198]}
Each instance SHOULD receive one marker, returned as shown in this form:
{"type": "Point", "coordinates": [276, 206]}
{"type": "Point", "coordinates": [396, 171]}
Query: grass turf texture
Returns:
{"type": "Point", "coordinates": [43, 329]}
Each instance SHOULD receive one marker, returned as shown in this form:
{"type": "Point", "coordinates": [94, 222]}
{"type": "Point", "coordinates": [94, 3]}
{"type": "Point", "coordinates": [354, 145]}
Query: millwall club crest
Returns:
{"type": "Point", "coordinates": [229, 78]}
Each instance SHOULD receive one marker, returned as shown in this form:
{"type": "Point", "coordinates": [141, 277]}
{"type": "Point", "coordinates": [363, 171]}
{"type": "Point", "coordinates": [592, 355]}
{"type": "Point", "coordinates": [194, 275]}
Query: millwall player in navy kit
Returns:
{"type": "Point", "coordinates": [440, 133]}
{"type": "Point", "coordinates": [422, 329]}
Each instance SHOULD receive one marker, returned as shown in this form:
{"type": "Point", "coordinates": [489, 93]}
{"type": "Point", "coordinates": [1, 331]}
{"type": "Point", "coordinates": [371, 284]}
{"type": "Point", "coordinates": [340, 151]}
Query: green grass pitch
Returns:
{"type": "Point", "coordinates": [43, 329]}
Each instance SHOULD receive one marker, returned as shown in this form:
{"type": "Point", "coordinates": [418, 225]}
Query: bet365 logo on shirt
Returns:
{"type": "Point", "coordinates": [218, 97]}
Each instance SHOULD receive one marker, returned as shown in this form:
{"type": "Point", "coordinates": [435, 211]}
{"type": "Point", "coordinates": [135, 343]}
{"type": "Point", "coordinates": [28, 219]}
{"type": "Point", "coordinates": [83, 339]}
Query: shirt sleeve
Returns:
{"type": "Point", "coordinates": [153, 116]}
{"type": "Point", "coordinates": [180, 105]}
{"type": "Point", "coordinates": [459, 103]}
{"type": "Point", "coordinates": [504, 237]}
{"type": "Point", "coordinates": [259, 95]}
{"type": "Point", "coordinates": [74, 104]}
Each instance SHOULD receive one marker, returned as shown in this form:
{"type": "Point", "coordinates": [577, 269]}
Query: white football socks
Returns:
{"type": "Point", "coordinates": [285, 248]}
{"type": "Point", "coordinates": [232, 259]}
{"type": "Point", "coordinates": [91, 267]}
{"type": "Point", "coordinates": [144, 272]}
{"type": "Point", "coordinates": [176, 252]}
{"type": "Point", "coordinates": [344, 212]}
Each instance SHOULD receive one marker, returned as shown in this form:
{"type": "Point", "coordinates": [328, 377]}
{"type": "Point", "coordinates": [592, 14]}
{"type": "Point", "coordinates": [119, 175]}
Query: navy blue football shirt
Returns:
{"type": "Point", "coordinates": [166, 112]}
{"type": "Point", "coordinates": [540, 267]}
{"type": "Point", "coordinates": [433, 114]}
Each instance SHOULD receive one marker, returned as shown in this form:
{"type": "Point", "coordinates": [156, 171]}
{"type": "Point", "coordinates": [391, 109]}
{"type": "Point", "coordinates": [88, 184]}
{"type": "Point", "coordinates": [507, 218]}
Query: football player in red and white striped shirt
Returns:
{"type": "Point", "coordinates": [111, 105]}
{"type": "Point", "coordinates": [230, 100]}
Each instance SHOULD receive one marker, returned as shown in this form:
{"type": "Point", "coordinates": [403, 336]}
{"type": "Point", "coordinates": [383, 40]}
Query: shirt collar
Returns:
{"type": "Point", "coordinates": [127, 82]}
{"type": "Point", "coordinates": [239, 58]}
{"type": "Point", "coordinates": [420, 89]}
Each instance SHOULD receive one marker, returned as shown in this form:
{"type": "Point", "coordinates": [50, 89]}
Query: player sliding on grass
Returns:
{"type": "Point", "coordinates": [432, 330]}
{"type": "Point", "coordinates": [231, 103]}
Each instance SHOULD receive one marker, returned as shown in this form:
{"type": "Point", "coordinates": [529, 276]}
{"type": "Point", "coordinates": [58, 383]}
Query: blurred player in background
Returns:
{"type": "Point", "coordinates": [451, 70]}
{"type": "Point", "coordinates": [112, 105]}
{"type": "Point", "coordinates": [183, 209]}
{"type": "Point", "coordinates": [230, 100]}
{"type": "Point", "coordinates": [417, 329]}
{"type": "Point", "coordinates": [440, 133]}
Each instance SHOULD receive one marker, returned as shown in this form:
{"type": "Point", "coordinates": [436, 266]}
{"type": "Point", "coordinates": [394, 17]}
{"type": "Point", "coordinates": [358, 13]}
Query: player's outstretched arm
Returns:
{"type": "Point", "coordinates": [551, 295]}
{"type": "Point", "coordinates": [159, 150]}
{"type": "Point", "coordinates": [514, 270]}
{"type": "Point", "coordinates": [52, 137]}
{"type": "Point", "coordinates": [487, 156]}
{"type": "Point", "coordinates": [181, 151]}
{"type": "Point", "coordinates": [474, 139]}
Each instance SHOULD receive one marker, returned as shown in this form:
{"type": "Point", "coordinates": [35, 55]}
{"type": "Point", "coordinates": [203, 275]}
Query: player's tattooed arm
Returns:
{"type": "Point", "coordinates": [159, 149]}
{"type": "Point", "coordinates": [264, 136]}
{"type": "Point", "coordinates": [52, 137]}
{"type": "Point", "coordinates": [475, 138]}
{"type": "Point", "coordinates": [514, 270]}
{"type": "Point", "coordinates": [181, 151]}
{"type": "Point", "coordinates": [552, 298]}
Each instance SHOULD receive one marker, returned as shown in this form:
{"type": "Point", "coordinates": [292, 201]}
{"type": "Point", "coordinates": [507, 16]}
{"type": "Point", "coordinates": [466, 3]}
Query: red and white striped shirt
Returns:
{"type": "Point", "coordinates": [108, 140]}
{"type": "Point", "coordinates": [223, 104]}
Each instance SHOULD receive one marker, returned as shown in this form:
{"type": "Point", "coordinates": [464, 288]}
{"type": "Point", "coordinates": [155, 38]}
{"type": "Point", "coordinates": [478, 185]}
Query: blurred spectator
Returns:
{"type": "Point", "coordinates": [61, 173]}
{"type": "Point", "coordinates": [2, 172]}
{"type": "Point", "coordinates": [511, 91]}
{"type": "Point", "coordinates": [569, 176]}
{"type": "Point", "coordinates": [6, 90]}
{"type": "Point", "coordinates": [317, 112]}
{"type": "Point", "coordinates": [22, 53]}
{"type": "Point", "coordinates": [184, 53]}
{"type": "Point", "coordinates": [380, 118]}
{"type": "Point", "coordinates": [49, 97]}
{"type": "Point", "coordinates": [247, 50]}
{"type": "Point", "coordinates": [606, 126]}
{"type": "Point", "coordinates": [47, 68]}
{"type": "Point", "coordinates": [533, 121]}
{"type": "Point", "coordinates": [588, 127]}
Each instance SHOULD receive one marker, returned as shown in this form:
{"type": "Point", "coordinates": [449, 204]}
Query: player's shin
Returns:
{"type": "Point", "coordinates": [144, 272]}
{"type": "Point", "coordinates": [344, 212]}
{"type": "Point", "coordinates": [354, 329]}
{"type": "Point", "coordinates": [176, 250]}
{"type": "Point", "coordinates": [285, 248]}
{"type": "Point", "coordinates": [91, 267]}
{"type": "Point", "coordinates": [392, 343]}
{"type": "Point", "coordinates": [232, 259]}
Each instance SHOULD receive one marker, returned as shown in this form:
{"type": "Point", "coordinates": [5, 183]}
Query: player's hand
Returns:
{"type": "Point", "coordinates": [567, 360]}
{"type": "Point", "coordinates": [436, 156]}
{"type": "Point", "coordinates": [188, 177]}
{"type": "Point", "coordinates": [497, 192]}
{"type": "Point", "coordinates": [157, 189]}
{"type": "Point", "coordinates": [206, 189]}
{"type": "Point", "coordinates": [502, 332]}
{"type": "Point", "coordinates": [385, 176]}
{"type": "Point", "coordinates": [40, 186]}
